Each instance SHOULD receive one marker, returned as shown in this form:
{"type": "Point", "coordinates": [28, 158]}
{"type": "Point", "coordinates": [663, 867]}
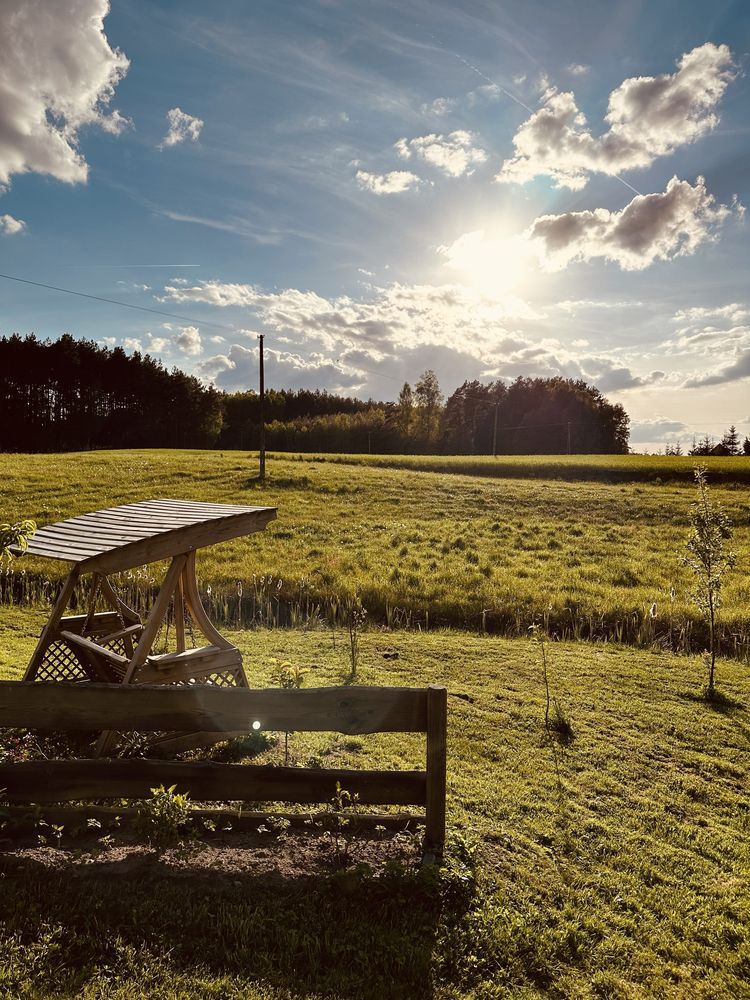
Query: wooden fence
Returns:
{"type": "Point", "coordinates": [203, 708]}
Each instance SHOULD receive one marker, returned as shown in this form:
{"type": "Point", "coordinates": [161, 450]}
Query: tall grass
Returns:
{"type": "Point", "coordinates": [591, 560]}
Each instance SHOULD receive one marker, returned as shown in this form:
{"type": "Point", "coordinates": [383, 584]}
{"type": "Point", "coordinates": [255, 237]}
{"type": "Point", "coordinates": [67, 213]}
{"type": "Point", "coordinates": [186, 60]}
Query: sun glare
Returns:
{"type": "Point", "coordinates": [493, 265]}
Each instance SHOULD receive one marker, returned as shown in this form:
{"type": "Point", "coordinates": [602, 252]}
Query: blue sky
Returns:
{"type": "Point", "coordinates": [486, 189]}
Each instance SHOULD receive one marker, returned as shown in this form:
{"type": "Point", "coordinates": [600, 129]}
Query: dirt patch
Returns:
{"type": "Point", "coordinates": [297, 854]}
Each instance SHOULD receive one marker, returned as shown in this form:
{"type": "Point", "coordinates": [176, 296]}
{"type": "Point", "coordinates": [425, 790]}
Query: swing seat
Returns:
{"type": "Point", "coordinates": [199, 663]}
{"type": "Point", "coordinates": [114, 646]}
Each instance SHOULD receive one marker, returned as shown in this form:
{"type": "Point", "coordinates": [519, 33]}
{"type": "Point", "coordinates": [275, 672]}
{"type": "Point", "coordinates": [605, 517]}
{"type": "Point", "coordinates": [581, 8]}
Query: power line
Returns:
{"type": "Point", "coordinates": [117, 302]}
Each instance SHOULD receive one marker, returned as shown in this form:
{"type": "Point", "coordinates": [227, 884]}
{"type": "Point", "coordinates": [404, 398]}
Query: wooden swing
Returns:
{"type": "Point", "coordinates": [115, 646]}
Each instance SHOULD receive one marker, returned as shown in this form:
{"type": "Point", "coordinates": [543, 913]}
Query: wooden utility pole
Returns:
{"type": "Point", "coordinates": [569, 437]}
{"type": "Point", "coordinates": [494, 434]}
{"type": "Point", "coordinates": [262, 456]}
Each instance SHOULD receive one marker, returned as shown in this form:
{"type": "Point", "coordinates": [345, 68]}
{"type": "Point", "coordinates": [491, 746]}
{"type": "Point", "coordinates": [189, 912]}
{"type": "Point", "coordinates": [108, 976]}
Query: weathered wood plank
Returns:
{"type": "Point", "coordinates": [144, 532]}
{"type": "Point", "coordinates": [437, 725]}
{"type": "Point", "coordinates": [89, 646]}
{"type": "Point", "coordinates": [176, 541]}
{"type": "Point", "coordinates": [74, 780]}
{"type": "Point", "coordinates": [203, 708]}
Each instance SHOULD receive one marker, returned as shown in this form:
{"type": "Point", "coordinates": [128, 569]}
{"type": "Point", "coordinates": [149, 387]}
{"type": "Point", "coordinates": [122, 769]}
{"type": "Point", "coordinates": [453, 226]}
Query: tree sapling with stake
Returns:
{"type": "Point", "coordinates": [709, 559]}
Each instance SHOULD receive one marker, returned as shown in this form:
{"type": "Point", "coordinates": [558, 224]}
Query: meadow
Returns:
{"type": "Point", "coordinates": [612, 864]}
{"type": "Point", "coordinates": [608, 858]}
{"type": "Point", "coordinates": [589, 546]}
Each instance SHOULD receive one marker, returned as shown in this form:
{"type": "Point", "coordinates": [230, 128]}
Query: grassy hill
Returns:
{"type": "Point", "coordinates": [485, 544]}
{"type": "Point", "coordinates": [613, 865]}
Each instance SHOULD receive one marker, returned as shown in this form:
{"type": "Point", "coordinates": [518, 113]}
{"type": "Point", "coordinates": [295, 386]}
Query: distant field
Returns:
{"type": "Point", "coordinates": [588, 556]}
{"type": "Point", "coordinates": [571, 468]}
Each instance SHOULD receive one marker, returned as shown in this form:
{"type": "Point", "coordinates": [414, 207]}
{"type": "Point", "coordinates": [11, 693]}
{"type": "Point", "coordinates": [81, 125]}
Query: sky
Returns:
{"type": "Point", "coordinates": [488, 189]}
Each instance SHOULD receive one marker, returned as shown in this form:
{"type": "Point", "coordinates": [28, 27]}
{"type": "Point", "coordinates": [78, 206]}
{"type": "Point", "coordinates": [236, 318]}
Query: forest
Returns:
{"type": "Point", "coordinates": [74, 395]}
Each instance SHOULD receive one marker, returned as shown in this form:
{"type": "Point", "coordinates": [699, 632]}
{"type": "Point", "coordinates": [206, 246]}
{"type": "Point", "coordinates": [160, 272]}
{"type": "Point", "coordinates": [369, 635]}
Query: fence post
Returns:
{"type": "Point", "coordinates": [437, 725]}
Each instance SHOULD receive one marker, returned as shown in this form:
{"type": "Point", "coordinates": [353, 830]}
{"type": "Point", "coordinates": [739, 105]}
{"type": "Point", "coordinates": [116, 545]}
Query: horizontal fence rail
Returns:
{"type": "Point", "coordinates": [199, 707]}
{"type": "Point", "coordinates": [61, 780]}
{"type": "Point", "coordinates": [353, 711]}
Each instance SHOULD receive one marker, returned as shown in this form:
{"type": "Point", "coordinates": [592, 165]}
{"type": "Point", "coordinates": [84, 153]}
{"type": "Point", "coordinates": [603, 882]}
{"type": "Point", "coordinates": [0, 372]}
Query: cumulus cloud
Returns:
{"type": "Point", "coordinates": [393, 322]}
{"type": "Point", "coordinates": [394, 182]}
{"type": "Point", "coordinates": [188, 340]}
{"type": "Point", "coordinates": [181, 128]}
{"type": "Point", "coordinates": [651, 227]}
{"type": "Point", "coordinates": [58, 73]}
{"type": "Point", "coordinates": [409, 316]}
{"type": "Point", "coordinates": [648, 117]}
{"type": "Point", "coordinates": [657, 429]}
{"type": "Point", "coordinates": [737, 369]}
{"type": "Point", "coordinates": [238, 369]}
{"type": "Point", "coordinates": [10, 226]}
{"type": "Point", "coordinates": [455, 154]}
{"type": "Point", "coordinates": [734, 312]}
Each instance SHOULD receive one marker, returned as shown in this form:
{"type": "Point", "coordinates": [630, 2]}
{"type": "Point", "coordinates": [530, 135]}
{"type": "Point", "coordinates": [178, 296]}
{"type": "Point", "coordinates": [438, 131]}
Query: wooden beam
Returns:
{"type": "Point", "coordinates": [74, 780]}
{"type": "Point", "coordinates": [437, 726]}
{"type": "Point", "coordinates": [49, 632]}
{"type": "Point", "coordinates": [200, 707]}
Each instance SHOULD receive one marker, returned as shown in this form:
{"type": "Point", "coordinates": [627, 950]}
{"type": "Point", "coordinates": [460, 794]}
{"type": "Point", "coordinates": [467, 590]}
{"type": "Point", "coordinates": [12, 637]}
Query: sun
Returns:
{"type": "Point", "coordinates": [494, 265]}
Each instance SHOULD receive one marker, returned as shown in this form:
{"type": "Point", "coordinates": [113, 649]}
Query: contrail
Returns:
{"type": "Point", "coordinates": [513, 97]}
{"type": "Point", "coordinates": [628, 185]}
{"type": "Point", "coordinates": [494, 83]}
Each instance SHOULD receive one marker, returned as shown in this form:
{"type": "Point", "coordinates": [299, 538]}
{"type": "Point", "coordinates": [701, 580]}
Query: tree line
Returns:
{"type": "Point", "coordinates": [71, 394]}
{"type": "Point", "coordinates": [729, 444]}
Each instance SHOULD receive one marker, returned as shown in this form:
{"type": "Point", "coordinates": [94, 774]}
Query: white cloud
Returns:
{"type": "Point", "coordinates": [238, 370]}
{"type": "Point", "coordinates": [657, 429]}
{"type": "Point", "coordinates": [390, 324]}
{"type": "Point", "coordinates": [651, 227]}
{"type": "Point", "coordinates": [408, 316]}
{"type": "Point", "coordinates": [455, 154]}
{"type": "Point", "coordinates": [10, 226]}
{"type": "Point", "coordinates": [647, 116]}
{"type": "Point", "coordinates": [734, 312]}
{"type": "Point", "coordinates": [440, 106]}
{"type": "Point", "coordinates": [737, 369]}
{"type": "Point", "coordinates": [58, 73]}
{"type": "Point", "coordinates": [181, 127]}
{"type": "Point", "coordinates": [157, 345]}
{"type": "Point", "coordinates": [188, 340]}
{"type": "Point", "coordinates": [132, 344]}
{"type": "Point", "coordinates": [394, 182]}
{"type": "Point", "coordinates": [578, 69]}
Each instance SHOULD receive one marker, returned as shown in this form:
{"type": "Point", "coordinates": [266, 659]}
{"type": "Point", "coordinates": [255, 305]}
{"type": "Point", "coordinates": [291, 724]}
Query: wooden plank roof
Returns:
{"type": "Point", "coordinates": [121, 538]}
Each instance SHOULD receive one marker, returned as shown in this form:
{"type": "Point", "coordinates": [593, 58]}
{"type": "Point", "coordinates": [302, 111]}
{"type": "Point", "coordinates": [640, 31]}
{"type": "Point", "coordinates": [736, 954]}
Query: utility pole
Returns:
{"type": "Point", "coordinates": [569, 437]}
{"type": "Point", "coordinates": [494, 434]}
{"type": "Point", "coordinates": [262, 456]}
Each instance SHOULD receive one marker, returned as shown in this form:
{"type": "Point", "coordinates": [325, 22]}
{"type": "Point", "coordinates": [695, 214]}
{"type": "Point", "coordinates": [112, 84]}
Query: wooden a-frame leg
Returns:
{"type": "Point", "coordinates": [149, 634]}
{"type": "Point", "coordinates": [50, 630]}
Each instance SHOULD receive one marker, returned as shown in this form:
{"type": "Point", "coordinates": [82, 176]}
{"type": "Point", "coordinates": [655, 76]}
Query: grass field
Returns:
{"type": "Point", "coordinates": [615, 865]}
{"type": "Point", "coordinates": [588, 557]}
{"type": "Point", "coordinates": [570, 468]}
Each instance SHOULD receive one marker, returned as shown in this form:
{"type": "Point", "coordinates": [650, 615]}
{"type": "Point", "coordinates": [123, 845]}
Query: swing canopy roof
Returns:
{"type": "Point", "coordinates": [119, 538]}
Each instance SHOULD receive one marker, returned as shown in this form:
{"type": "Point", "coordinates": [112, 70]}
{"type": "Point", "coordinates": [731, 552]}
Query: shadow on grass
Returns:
{"type": "Point", "coordinates": [716, 700]}
{"type": "Point", "coordinates": [347, 934]}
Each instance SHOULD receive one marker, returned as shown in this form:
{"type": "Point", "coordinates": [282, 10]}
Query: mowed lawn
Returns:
{"type": "Point", "coordinates": [615, 865]}
{"type": "Point", "coordinates": [551, 541]}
